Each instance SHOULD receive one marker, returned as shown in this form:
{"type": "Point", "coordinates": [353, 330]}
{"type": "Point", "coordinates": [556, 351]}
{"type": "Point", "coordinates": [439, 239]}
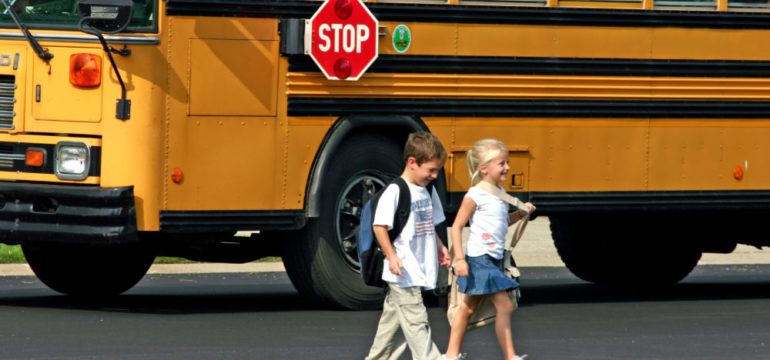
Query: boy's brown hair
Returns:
{"type": "Point", "coordinates": [423, 147]}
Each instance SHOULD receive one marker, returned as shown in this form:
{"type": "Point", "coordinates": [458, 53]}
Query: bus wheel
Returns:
{"type": "Point", "coordinates": [608, 252]}
{"type": "Point", "coordinates": [88, 271]}
{"type": "Point", "coordinates": [321, 261]}
{"type": "Point", "coordinates": [580, 250]}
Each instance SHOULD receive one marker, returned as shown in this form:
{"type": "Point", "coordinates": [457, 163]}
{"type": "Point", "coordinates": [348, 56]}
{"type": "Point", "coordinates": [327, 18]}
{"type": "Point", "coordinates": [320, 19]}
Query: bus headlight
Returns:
{"type": "Point", "coordinates": [71, 161]}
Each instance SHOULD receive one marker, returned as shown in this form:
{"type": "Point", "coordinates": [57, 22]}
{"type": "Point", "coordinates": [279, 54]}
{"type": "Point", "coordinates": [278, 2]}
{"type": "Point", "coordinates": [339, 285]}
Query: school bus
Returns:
{"type": "Point", "coordinates": [638, 127]}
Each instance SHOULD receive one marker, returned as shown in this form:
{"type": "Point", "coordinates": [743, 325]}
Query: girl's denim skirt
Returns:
{"type": "Point", "coordinates": [485, 276]}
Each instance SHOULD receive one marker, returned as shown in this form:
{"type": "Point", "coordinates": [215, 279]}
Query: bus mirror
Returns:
{"type": "Point", "coordinates": [104, 16]}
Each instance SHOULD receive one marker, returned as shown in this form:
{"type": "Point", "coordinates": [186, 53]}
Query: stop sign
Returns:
{"type": "Point", "coordinates": [341, 38]}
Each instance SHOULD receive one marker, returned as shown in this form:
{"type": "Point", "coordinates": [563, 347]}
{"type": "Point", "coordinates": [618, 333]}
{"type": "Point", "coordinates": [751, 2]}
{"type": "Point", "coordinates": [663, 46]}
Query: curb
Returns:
{"type": "Point", "coordinates": [202, 268]}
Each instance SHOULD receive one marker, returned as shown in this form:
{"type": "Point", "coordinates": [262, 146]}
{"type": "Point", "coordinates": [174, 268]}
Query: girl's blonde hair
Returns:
{"type": "Point", "coordinates": [482, 152]}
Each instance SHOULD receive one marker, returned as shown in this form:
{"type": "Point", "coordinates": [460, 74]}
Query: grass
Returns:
{"type": "Point", "coordinates": [12, 254]}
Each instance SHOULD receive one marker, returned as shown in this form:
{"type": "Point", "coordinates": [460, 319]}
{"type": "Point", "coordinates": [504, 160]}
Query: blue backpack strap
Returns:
{"type": "Point", "coordinates": [403, 208]}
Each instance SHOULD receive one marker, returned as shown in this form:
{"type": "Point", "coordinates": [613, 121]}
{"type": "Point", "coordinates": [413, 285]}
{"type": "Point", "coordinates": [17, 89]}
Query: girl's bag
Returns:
{"type": "Point", "coordinates": [485, 311]}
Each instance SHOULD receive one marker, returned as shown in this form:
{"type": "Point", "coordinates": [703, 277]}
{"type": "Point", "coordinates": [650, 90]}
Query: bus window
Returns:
{"type": "Point", "coordinates": [748, 4]}
{"type": "Point", "coordinates": [631, 4]}
{"type": "Point", "coordinates": [700, 4]}
{"type": "Point", "coordinates": [510, 2]}
{"type": "Point", "coordinates": [413, 1]}
{"type": "Point", "coordinates": [63, 14]}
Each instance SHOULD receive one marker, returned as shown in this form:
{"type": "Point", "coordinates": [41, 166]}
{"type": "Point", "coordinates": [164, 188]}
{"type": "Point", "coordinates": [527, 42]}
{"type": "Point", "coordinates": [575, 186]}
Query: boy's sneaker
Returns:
{"type": "Point", "coordinates": [517, 357]}
{"type": "Point", "coordinates": [461, 356]}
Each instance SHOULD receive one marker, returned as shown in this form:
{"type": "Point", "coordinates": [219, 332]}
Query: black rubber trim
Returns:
{"type": "Point", "coordinates": [557, 203]}
{"type": "Point", "coordinates": [66, 214]}
{"type": "Point", "coordinates": [218, 221]}
{"type": "Point", "coordinates": [549, 203]}
{"type": "Point", "coordinates": [552, 66]}
{"type": "Point", "coordinates": [528, 108]}
{"type": "Point", "coordinates": [441, 13]}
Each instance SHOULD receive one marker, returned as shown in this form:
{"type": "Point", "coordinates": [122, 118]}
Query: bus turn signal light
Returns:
{"type": "Point", "coordinates": [85, 70]}
{"type": "Point", "coordinates": [34, 157]}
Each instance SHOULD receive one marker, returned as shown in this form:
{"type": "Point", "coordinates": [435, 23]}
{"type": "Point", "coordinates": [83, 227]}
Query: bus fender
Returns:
{"type": "Point", "coordinates": [341, 129]}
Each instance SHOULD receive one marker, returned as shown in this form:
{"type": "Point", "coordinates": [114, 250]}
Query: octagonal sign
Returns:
{"type": "Point", "coordinates": [342, 39]}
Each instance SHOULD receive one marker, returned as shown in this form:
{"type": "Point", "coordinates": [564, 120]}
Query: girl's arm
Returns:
{"type": "Point", "coordinates": [467, 208]}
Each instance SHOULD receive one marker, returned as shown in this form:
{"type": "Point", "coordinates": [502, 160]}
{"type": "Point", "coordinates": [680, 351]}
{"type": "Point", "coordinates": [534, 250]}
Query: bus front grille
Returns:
{"type": "Point", "coordinates": [6, 151]}
{"type": "Point", "coordinates": [7, 100]}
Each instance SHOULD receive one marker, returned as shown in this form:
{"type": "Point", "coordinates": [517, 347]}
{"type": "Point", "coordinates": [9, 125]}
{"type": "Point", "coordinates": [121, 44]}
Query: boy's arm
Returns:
{"type": "Point", "coordinates": [394, 263]}
{"type": "Point", "coordinates": [439, 226]}
{"type": "Point", "coordinates": [443, 252]}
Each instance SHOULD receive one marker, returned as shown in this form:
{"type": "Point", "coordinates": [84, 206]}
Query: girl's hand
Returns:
{"type": "Point", "coordinates": [461, 267]}
{"type": "Point", "coordinates": [520, 214]}
{"type": "Point", "coordinates": [530, 206]}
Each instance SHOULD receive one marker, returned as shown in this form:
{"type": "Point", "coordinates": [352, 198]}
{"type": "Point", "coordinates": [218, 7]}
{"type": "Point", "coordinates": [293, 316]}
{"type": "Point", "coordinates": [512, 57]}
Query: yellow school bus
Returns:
{"type": "Point", "coordinates": [638, 127]}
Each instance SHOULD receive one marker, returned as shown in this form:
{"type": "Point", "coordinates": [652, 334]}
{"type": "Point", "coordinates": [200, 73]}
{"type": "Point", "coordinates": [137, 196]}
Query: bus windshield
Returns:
{"type": "Point", "coordinates": [63, 14]}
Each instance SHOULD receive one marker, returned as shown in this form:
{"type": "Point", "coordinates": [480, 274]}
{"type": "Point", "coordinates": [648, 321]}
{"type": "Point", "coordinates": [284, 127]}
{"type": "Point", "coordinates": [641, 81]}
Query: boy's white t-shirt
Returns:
{"type": "Point", "coordinates": [489, 224]}
{"type": "Point", "coordinates": [416, 246]}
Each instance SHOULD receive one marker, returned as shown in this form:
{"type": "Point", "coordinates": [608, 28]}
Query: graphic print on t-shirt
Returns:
{"type": "Point", "coordinates": [423, 219]}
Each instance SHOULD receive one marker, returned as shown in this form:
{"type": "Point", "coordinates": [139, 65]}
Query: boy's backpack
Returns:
{"type": "Point", "coordinates": [370, 255]}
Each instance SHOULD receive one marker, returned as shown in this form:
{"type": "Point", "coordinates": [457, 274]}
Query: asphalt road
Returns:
{"type": "Point", "coordinates": [718, 312]}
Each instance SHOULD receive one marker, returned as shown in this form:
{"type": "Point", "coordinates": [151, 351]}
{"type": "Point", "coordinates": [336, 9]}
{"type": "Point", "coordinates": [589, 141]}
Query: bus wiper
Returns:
{"type": "Point", "coordinates": [42, 53]}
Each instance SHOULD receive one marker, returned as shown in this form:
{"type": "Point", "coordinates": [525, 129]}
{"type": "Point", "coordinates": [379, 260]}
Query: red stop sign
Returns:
{"type": "Point", "coordinates": [341, 38]}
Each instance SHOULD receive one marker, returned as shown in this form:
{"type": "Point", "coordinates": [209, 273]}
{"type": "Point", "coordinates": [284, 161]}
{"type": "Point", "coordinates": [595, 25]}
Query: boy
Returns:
{"type": "Point", "coordinates": [412, 258]}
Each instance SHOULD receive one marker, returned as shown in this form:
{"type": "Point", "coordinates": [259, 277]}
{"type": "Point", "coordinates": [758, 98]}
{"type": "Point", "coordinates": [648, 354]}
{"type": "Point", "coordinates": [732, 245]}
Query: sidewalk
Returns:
{"type": "Point", "coordinates": [535, 249]}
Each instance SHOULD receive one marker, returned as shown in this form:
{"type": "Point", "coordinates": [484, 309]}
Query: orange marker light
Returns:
{"type": "Point", "coordinates": [738, 173]}
{"type": "Point", "coordinates": [177, 176]}
{"type": "Point", "coordinates": [85, 70]}
{"type": "Point", "coordinates": [34, 157]}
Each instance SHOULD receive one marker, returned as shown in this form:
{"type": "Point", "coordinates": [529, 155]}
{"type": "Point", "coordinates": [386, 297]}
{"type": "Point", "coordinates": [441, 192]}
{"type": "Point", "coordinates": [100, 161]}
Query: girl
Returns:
{"type": "Point", "coordinates": [479, 273]}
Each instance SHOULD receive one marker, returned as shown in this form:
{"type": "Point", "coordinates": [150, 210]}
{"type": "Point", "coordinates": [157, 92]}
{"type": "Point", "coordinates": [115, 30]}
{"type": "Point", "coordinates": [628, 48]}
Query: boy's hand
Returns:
{"type": "Point", "coordinates": [443, 256]}
{"type": "Point", "coordinates": [395, 265]}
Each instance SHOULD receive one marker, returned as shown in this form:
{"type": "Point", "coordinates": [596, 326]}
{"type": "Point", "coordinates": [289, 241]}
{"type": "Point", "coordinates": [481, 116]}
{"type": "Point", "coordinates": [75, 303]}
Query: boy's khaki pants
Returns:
{"type": "Point", "coordinates": [404, 309]}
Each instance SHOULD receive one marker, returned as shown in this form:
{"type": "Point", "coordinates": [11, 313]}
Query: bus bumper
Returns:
{"type": "Point", "coordinates": [66, 214]}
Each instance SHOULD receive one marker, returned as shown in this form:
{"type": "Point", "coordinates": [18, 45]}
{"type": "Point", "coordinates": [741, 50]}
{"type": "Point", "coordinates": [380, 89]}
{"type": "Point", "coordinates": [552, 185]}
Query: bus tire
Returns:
{"type": "Point", "coordinates": [318, 264]}
{"type": "Point", "coordinates": [622, 252]}
{"type": "Point", "coordinates": [88, 271]}
{"type": "Point", "coordinates": [580, 252]}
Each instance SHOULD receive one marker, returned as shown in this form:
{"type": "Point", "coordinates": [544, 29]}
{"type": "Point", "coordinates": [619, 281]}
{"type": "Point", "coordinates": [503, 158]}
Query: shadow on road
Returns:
{"type": "Point", "coordinates": [272, 292]}
{"type": "Point", "coordinates": [171, 294]}
{"type": "Point", "coordinates": [590, 293]}
{"type": "Point", "coordinates": [712, 282]}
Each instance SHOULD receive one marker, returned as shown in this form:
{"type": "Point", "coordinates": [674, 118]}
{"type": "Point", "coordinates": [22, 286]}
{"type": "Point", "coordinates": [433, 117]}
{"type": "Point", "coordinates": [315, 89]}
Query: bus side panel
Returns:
{"type": "Point", "coordinates": [703, 155]}
{"type": "Point", "coordinates": [224, 133]}
{"type": "Point", "coordinates": [568, 155]}
{"type": "Point", "coordinates": [132, 150]}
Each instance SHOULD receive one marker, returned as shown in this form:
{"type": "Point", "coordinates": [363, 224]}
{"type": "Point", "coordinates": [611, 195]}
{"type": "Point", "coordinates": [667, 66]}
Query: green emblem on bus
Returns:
{"type": "Point", "coordinates": [402, 38]}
